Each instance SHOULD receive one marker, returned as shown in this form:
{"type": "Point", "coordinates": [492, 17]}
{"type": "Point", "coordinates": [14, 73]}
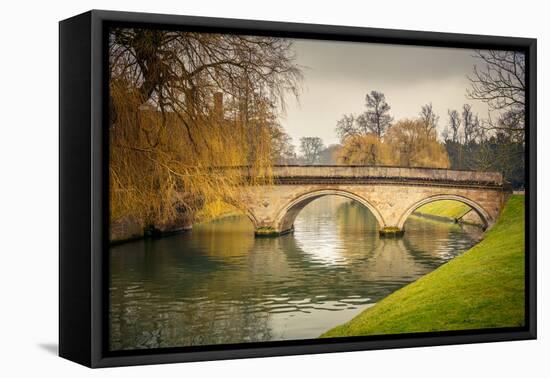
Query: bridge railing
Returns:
{"type": "Point", "coordinates": [388, 173]}
{"type": "Point", "coordinates": [341, 173]}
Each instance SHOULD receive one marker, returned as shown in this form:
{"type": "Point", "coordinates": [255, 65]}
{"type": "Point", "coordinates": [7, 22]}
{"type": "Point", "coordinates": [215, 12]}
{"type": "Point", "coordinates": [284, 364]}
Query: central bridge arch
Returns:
{"type": "Point", "coordinates": [284, 221]}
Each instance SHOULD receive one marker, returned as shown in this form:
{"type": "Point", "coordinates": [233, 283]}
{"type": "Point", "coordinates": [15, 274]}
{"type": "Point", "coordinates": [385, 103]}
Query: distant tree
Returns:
{"type": "Point", "coordinates": [346, 127]}
{"type": "Point", "coordinates": [454, 124]}
{"type": "Point", "coordinates": [365, 149]}
{"type": "Point", "coordinates": [376, 119]}
{"type": "Point", "coordinates": [329, 155]}
{"type": "Point", "coordinates": [511, 124]}
{"type": "Point", "coordinates": [500, 83]}
{"type": "Point", "coordinates": [411, 147]}
{"type": "Point", "coordinates": [482, 156]}
{"type": "Point", "coordinates": [446, 134]}
{"type": "Point", "coordinates": [282, 149]}
{"type": "Point", "coordinates": [509, 158]}
{"type": "Point", "coordinates": [468, 123]}
{"type": "Point", "coordinates": [311, 148]}
{"type": "Point", "coordinates": [429, 119]}
{"type": "Point", "coordinates": [480, 133]}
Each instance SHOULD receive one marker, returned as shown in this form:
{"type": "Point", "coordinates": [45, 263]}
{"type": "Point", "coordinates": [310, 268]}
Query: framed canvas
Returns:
{"type": "Point", "coordinates": [235, 188]}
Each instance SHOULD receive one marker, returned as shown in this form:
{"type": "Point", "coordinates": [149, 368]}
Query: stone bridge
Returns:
{"type": "Point", "coordinates": [390, 193]}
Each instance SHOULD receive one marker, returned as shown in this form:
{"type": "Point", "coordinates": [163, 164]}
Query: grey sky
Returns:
{"type": "Point", "coordinates": [337, 75]}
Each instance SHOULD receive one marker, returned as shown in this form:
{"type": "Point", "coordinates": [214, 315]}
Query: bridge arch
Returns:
{"type": "Point", "coordinates": [243, 210]}
{"type": "Point", "coordinates": [251, 217]}
{"type": "Point", "coordinates": [481, 212]}
{"type": "Point", "coordinates": [286, 216]}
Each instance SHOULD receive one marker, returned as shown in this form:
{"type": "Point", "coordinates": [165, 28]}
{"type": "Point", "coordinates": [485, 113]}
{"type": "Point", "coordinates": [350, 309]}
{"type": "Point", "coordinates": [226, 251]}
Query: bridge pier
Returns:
{"type": "Point", "coordinates": [270, 232]}
{"type": "Point", "coordinates": [391, 232]}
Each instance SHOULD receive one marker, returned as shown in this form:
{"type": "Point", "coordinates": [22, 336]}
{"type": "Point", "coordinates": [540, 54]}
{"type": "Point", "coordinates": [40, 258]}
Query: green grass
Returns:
{"type": "Point", "coordinates": [482, 288]}
{"type": "Point", "coordinates": [444, 208]}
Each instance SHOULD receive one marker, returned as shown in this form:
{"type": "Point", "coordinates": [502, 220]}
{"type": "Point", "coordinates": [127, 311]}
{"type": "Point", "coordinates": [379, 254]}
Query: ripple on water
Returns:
{"type": "Point", "coordinates": [218, 284]}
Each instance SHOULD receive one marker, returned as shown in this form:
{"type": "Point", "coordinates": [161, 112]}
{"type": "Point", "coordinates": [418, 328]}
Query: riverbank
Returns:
{"type": "Point", "coordinates": [483, 288]}
{"type": "Point", "coordinates": [128, 228]}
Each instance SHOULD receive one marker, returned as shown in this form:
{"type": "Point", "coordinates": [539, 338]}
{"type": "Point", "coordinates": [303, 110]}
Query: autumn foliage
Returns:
{"type": "Point", "coordinates": [413, 145]}
{"type": "Point", "coordinates": [407, 143]}
{"type": "Point", "coordinates": [186, 110]}
{"type": "Point", "coordinates": [365, 149]}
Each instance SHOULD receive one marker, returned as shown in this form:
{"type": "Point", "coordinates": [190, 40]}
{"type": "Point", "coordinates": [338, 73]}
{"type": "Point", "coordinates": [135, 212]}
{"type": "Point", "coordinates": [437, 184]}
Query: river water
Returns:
{"type": "Point", "coordinates": [220, 284]}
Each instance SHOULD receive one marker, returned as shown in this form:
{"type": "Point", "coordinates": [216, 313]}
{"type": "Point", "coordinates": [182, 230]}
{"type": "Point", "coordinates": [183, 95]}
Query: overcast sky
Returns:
{"type": "Point", "coordinates": [337, 76]}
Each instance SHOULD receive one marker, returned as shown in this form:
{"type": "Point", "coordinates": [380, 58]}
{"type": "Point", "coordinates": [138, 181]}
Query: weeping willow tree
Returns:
{"type": "Point", "coordinates": [407, 143]}
{"type": "Point", "coordinates": [415, 145]}
{"type": "Point", "coordinates": [186, 110]}
{"type": "Point", "coordinates": [365, 149]}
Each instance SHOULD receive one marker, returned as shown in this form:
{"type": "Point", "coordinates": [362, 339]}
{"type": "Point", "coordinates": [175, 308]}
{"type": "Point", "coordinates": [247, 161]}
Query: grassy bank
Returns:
{"type": "Point", "coordinates": [483, 288]}
{"type": "Point", "coordinates": [444, 208]}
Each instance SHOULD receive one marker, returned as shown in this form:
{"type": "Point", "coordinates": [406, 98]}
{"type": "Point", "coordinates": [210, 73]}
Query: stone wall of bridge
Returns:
{"type": "Point", "coordinates": [390, 193]}
{"type": "Point", "coordinates": [273, 208]}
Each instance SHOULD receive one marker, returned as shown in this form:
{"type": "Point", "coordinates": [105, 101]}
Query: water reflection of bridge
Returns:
{"type": "Point", "coordinates": [227, 285]}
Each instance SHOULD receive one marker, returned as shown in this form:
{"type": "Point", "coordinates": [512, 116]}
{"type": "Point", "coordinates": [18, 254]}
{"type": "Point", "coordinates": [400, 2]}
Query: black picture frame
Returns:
{"type": "Point", "coordinates": [83, 195]}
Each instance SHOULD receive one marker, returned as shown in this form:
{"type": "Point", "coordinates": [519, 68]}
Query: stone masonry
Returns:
{"type": "Point", "coordinates": [390, 193]}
